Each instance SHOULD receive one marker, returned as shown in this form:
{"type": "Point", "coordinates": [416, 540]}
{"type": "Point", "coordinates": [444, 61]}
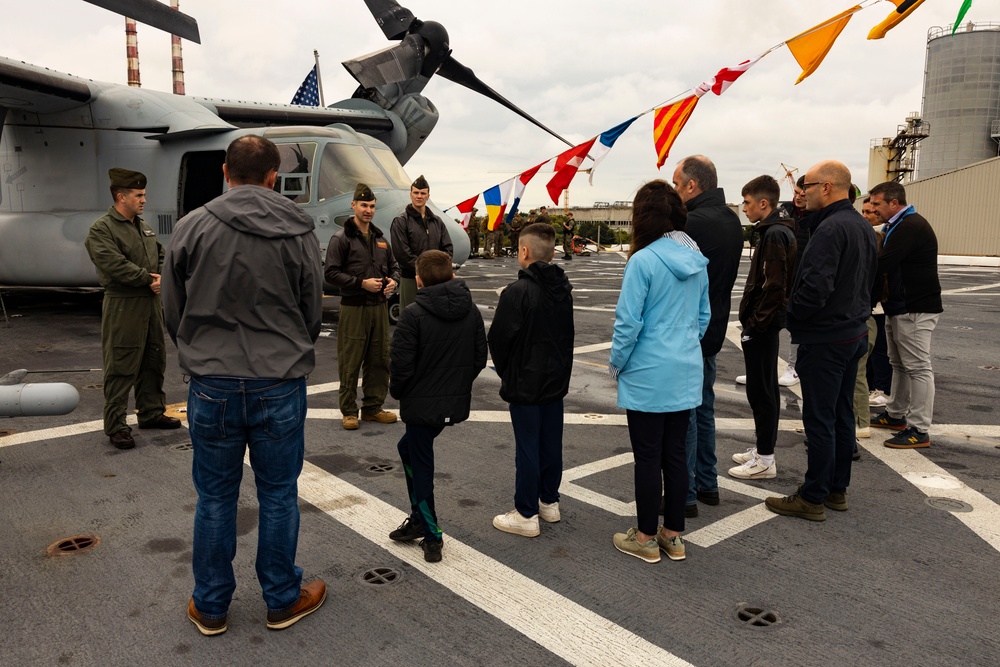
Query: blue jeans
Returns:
{"type": "Point", "coordinates": [225, 415]}
{"type": "Point", "coordinates": [538, 437]}
{"type": "Point", "coordinates": [700, 443]}
{"type": "Point", "coordinates": [828, 372]}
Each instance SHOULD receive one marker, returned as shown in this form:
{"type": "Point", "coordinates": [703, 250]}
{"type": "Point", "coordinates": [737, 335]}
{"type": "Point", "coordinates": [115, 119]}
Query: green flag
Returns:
{"type": "Point", "coordinates": [961, 14]}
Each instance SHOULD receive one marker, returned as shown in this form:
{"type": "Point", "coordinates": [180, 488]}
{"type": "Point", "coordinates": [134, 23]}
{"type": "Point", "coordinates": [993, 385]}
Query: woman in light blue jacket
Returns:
{"type": "Point", "coordinates": [662, 313]}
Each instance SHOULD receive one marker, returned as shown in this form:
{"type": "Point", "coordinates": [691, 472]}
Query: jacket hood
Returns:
{"type": "Point", "coordinates": [776, 218]}
{"type": "Point", "coordinates": [253, 209]}
{"type": "Point", "coordinates": [714, 197]}
{"type": "Point", "coordinates": [681, 261]}
{"type": "Point", "coordinates": [448, 301]}
{"type": "Point", "coordinates": [550, 277]}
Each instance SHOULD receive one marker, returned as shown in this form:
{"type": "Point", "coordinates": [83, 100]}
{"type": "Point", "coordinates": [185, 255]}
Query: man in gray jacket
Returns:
{"type": "Point", "coordinates": [242, 289]}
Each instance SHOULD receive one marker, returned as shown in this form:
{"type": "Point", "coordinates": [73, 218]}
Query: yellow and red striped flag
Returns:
{"type": "Point", "coordinates": [668, 122]}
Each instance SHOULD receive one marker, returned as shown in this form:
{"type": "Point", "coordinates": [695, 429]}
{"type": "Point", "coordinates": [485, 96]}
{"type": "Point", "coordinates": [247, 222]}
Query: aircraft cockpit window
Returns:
{"type": "Point", "coordinates": [389, 162]}
{"type": "Point", "coordinates": [294, 174]}
{"type": "Point", "coordinates": [344, 166]}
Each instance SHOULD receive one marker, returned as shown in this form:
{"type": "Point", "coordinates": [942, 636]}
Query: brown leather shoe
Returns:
{"type": "Point", "coordinates": [311, 598]}
{"type": "Point", "coordinates": [122, 439]}
{"type": "Point", "coordinates": [163, 422]}
{"type": "Point", "coordinates": [206, 626]}
{"type": "Point", "coordinates": [349, 422]}
{"type": "Point", "coordinates": [382, 417]}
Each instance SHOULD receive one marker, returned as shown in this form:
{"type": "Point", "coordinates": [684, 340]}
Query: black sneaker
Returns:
{"type": "Point", "coordinates": [408, 531]}
{"type": "Point", "coordinates": [883, 420]}
{"type": "Point", "coordinates": [911, 438]}
{"type": "Point", "coordinates": [708, 497]}
{"type": "Point", "coordinates": [432, 550]}
{"type": "Point", "coordinates": [691, 511]}
{"type": "Point", "coordinates": [856, 456]}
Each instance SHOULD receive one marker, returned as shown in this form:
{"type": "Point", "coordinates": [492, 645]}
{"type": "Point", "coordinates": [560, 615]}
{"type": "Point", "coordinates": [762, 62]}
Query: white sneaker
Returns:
{"type": "Point", "coordinates": [513, 522]}
{"type": "Point", "coordinates": [864, 432]}
{"type": "Point", "coordinates": [748, 455]}
{"type": "Point", "coordinates": [741, 379]}
{"type": "Point", "coordinates": [549, 512]}
{"type": "Point", "coordinates": [877, 399]}
{"type": "Point", "coordinates": [789, 379]}
{"type": "Point", "coordinates": [754, 469]}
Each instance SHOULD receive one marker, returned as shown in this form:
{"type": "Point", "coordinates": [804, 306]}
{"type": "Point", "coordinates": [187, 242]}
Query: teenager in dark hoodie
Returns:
{"type": "Point", "coordinates": [438, 349]}
{"type": "Point", "coordinates": [531, 340]}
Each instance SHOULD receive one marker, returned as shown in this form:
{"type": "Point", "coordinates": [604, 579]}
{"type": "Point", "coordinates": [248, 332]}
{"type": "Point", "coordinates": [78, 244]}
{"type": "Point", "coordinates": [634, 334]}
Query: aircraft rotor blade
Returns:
{"type": "Point", "coordinates": [453, 70]}
{"type": "Point", "coordinates": [155, 14]}
{"type": "Point", "coordinates": [391, 17]}
{"type": "Point", "coordinates": [400, 62]}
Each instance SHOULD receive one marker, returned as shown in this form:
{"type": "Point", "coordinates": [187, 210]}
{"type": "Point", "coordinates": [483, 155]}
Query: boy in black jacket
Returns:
{"type": "Point", "coordinates": [437, 351]}
{"type": "Point", "coordinates": [531, 340]}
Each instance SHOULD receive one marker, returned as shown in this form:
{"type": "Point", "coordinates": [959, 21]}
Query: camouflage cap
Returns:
{"type": "Point", "coordinates": [363, 193]}
{"type": "Point", "coordinates": [126, 178]}
{"type": "Point", "coordinates": [420, 183]}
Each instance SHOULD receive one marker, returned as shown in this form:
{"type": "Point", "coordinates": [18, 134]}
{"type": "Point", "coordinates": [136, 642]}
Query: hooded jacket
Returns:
{"type": "Point", "coordinates": [769, 280]}
{"type": "Point", "coordinates": [531, 338]}
{"type": "Point", "coordinates": [717, 231]}
{"type": "Point", "coordinates": [438, 349]}
{"type": "Point", "coordinates": [662, 314]}
{"type": "Point", "coordinates": [412, 234]}
{"type": "Point", "coordinates": [350, 259]}
{"type": "Point", "coordinates": [242, 287]}
{"type": "Point", "coordinates": [830, 301]}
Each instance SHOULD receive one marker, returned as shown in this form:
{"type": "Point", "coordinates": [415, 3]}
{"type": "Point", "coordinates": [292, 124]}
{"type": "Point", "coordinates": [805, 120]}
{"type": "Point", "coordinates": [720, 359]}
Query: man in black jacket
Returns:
{"type": "Point", "coordinates": [531, 340]}
{"type": "Point", "coordinates": [415, 230]}
{"type": "Point", "coordinates": [438, 349]}
{"type": "Point", "coordinates": [909, 257]}
{"type": "Point", "coordinates": [717, 231]}
{"type": "Point", "coordinates": [827, 316]}
{"type": "Point", "coordinates": [762, 314]}
{"type": "Point", "coordinates": [360, 262]}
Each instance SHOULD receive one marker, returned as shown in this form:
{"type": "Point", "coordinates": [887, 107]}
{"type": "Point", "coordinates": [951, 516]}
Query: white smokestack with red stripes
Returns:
{"type": "Point", "coordinates": [176, 59]}
{"type": "Point", "coordinates": [132, 53]}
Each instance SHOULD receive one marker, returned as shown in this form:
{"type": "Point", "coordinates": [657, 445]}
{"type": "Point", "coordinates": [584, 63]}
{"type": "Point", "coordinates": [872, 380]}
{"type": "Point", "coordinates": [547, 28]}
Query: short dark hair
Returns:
{"type": "Point", "coordinates": [763, 187]}
{"type": "Point", "coordinates": [656, 210]}
{"type": "Point", "coordinates": [540, 239]}
{"type": "Point", "coordinates": [700, 169]}
{"type": "Point", "coordinates": [251, 158]}
{"type": "Point", "coordinates": [434, 267]}
{"type": "Point", "coordinates": [866, 200]}
{"type": "Point", "coordinates": [890, 190]}
{"type": "Point", "coordinates": [800, 181]}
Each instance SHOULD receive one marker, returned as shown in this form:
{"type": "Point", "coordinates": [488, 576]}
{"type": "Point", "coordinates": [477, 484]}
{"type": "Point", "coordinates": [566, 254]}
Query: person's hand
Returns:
{"type": "Point", "coordinates": [155, 285]}
{"type": "Point", "coordinates": [390, 286]}
{"type": "Point", "coordinates": [373, 285]}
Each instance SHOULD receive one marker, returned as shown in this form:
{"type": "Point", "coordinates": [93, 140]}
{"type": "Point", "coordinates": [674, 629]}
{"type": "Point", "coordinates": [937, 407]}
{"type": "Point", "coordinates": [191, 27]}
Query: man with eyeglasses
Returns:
{"type": "Point", "coordinates": [827, 316]}
{"type": "Point", "coordinates": [909, 258]}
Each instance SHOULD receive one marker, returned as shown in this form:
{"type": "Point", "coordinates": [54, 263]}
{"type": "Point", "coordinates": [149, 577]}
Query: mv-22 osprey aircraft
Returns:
{"type": "Point", "coordinates": [62, 133]}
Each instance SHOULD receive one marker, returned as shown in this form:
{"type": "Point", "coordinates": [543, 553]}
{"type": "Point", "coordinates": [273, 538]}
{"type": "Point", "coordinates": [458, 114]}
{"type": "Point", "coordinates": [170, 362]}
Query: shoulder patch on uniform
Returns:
{"type": "Point", "coordinates": [382, 244]}
{"type": "Point", "coordinates": [149, 232]}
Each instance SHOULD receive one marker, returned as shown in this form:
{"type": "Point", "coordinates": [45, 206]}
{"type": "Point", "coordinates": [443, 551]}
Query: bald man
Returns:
{"type": "Point", "coordinates": [827, 317]}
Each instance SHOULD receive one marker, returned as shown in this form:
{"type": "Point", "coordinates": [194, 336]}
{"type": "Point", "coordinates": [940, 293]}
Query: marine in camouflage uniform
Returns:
{"type": "Point", "coordinates": [128, 258]}
{"type": "Point", "coordinates": [473, 232]}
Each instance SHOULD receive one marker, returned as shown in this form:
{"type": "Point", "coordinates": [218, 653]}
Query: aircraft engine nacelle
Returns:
{"type": "Point", "coordinates": [39, 399]}
{"type": "Point", "coordinates": [413, 117]}
{"type": "Point", "coordinates": [419, 116]}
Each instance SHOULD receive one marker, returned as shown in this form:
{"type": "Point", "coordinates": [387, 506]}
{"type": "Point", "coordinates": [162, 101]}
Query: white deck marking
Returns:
{"type": "Point", "coordinates": [596, 347]}
{"type": "Point", "coordinates": [557, 624]}
{"type": "Point", "coordinates": [723, 529]}
{"type": "Point", "coordinates": [963, 290]}
{"type": "Point", "coordinates": [935, 481]}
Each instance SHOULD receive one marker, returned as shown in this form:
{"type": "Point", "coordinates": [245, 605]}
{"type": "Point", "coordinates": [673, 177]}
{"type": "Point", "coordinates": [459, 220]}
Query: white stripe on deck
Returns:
{"type": "Point", "coordinates": [557, 624]}
{"type": "Point", "coordinates": [934, 481]}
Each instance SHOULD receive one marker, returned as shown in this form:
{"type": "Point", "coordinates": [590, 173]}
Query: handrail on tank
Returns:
{"type": "Point", "coordinates": [939, 31]}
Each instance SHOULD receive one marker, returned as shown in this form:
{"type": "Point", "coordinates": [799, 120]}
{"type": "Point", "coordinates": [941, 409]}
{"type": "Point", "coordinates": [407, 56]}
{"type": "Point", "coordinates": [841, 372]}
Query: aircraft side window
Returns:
{"type": "Point", "coordinates": [344, 166]}
{"type": "Point", "coordinates": [387, 159]}
{"type": "Point", "coordinates": [294, 174]}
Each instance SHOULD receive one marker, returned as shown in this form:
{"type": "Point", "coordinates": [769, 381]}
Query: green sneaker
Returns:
{"type": "Point", "coordinates": [794, 505]}
{"type": "Point", "coordinates": [673, 547]}
{"type": "Point", "coordinates": [836, 500]}
{"type": "Point", "coordinates": [628, 543]}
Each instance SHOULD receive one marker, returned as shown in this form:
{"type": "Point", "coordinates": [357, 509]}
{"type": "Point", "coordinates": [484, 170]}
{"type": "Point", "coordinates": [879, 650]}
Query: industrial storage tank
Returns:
{"type": "Point", "coordinates": [961, 97]}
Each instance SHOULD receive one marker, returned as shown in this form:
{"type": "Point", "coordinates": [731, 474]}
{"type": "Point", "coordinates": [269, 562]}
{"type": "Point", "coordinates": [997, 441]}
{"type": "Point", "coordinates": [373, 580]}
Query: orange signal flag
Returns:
{"type": "Point", "coordinates": [668, 122]}
{"type": "Point", "coordinates": [903, 9]}
{"type": "Point", "coordinates": [811, 46]}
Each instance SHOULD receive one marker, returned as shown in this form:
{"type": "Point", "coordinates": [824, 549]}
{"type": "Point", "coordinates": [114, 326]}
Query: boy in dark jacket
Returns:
{"type": "Point", "coordinates": [531, 340]}
{"type": "Point", "coordinates": [437, 351]}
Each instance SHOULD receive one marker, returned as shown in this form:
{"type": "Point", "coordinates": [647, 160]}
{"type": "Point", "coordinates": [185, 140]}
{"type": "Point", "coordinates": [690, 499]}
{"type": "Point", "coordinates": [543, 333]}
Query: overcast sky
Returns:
{"type": "Point", "coordinates": [579, 66]}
